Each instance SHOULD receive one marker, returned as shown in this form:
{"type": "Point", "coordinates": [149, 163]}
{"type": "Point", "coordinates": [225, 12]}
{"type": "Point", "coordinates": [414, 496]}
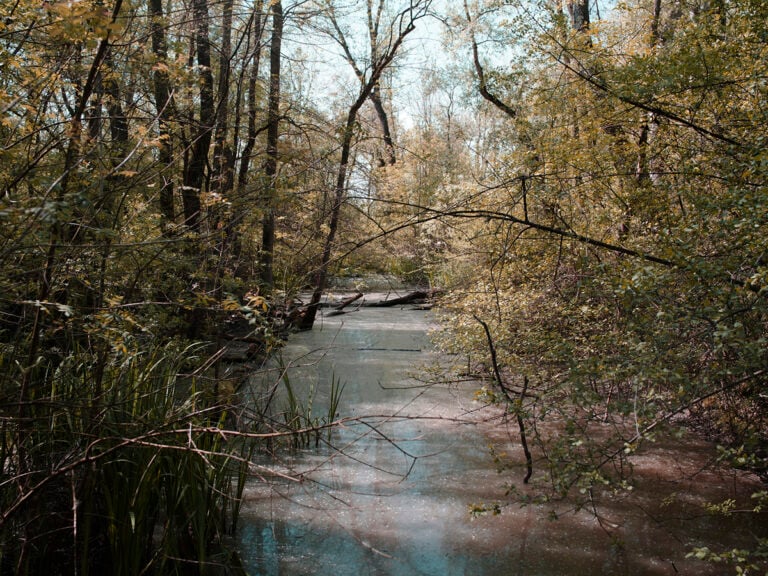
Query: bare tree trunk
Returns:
{"type": "Point", "coordinates": [579, 12]}
{"type": "Point", "coordinates": [223, 157]}
{"type": "Point", "coordinates": [270, 165]}
{"type": "Point", "coordinates": [164, 106]}
{"type": "Point", "coordinates": [381, 113]}
{"type": "Point", "coordinates": [374, 20]}
{"type": "Point", "coordinates": [321, 277]}
{"type": "Point", "coordinates": [480, 71]}
{"type": "Point", "coordinates": [250, 139]}
{"type": "Point", "coordinates": [195, 173]}
{"type": "Point", "coordinates": [250, 70]}
{"type": "Point", "coordinates": [647, 131]}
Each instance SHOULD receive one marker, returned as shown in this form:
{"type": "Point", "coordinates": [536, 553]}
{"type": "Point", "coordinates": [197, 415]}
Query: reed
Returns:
{"type": "Point", "coordinates": [117, 468]}
{"type": "Point", "coordinates": [300, 416]}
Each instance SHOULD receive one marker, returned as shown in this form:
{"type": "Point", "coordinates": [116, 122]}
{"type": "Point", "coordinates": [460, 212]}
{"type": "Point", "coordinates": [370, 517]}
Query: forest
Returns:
{"type": "Point", "coordinates": [584, 185]}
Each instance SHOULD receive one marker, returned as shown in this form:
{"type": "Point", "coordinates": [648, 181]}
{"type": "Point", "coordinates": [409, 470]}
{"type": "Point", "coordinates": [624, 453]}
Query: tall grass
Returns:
{"type": "Point", "coordinates": [301, 418]}
{"type": "Point", "coordinates": [118, 466]}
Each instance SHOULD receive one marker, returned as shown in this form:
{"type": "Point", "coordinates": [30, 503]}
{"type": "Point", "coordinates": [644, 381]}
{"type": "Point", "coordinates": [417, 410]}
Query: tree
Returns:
{"type": "Point", "coordinates": [194, 171]}
{"type": "Point", "coordinates": [222, 178]}
{"type": "Point", "coordinates": [165, 108]}
{"type": "Point", "coordinates": [273, 133]}
{"type": "Point", "coordinates": [403, 23]}
{"type": "Point", "coordinates": [374, 24]}
{"type": "Point", "coordinates": [618, 273]}
{"type": "Point", "coordinates": [258, 17]}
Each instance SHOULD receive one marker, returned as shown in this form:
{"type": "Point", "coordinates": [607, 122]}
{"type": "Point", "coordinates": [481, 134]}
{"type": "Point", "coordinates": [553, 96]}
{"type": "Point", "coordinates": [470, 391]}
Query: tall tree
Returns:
{"type": "Point", "coordinates": [194, 173]}
{"type": "Point", "coordinates": [374, 15]}
{"type": "Point", "coordinates": [164, 106]}
{"type": "Point", "coordinates": [223, 156]}
{"type": "Point", "coordinates": [258, 16]}
{"type": "Point", "coordinates": [247, 97]}
{"type": "Point", "coordinates": [402, 25]}
{"type": "Point", "coordinates": [273, 134]}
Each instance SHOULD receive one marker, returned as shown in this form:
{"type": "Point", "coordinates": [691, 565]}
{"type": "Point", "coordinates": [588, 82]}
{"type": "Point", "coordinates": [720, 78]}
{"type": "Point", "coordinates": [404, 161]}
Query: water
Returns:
{"type": "Point", "coordinates": [391, 496]}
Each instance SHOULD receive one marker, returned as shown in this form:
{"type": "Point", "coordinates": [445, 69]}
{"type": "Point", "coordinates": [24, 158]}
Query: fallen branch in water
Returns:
{"type": "Point", "coordinates": [417, 296]}
{"type": "Point", "coordinates": [339, 308]}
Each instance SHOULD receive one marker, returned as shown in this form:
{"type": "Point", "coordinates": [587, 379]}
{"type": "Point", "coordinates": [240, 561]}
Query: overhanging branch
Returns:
{"type": "Point", "coordinates": [427, 214]}
{"type": "Point", "coordinates": [603, 87]}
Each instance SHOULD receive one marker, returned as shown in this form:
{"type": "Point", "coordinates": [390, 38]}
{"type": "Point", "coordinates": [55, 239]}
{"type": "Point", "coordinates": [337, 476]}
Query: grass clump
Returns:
{"type": "Point", "coordinates": [118, 463]}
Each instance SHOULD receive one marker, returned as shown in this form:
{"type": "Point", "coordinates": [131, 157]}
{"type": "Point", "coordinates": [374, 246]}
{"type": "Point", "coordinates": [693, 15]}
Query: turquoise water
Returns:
{"type": "Point", "coordinates": [390, 494]}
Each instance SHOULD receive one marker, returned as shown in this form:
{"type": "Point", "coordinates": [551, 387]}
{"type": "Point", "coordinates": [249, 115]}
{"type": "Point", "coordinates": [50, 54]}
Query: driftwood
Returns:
{"type": "Point", "coordinates": [347, 301]}
{"type": "Point", "coordinates": [294, 313]}
{"type": "Point", "coordinates": [415, 297]}
{"type": "Point", "coordinates": [339, 308]}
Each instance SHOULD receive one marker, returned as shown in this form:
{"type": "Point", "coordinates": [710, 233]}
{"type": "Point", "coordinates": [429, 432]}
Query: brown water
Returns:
{"type": "Point", "coordinates": [391, 496]}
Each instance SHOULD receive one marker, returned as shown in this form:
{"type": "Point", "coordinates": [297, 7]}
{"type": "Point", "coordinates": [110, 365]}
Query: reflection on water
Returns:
{"type": "Point", "coordinates": [390, 496]}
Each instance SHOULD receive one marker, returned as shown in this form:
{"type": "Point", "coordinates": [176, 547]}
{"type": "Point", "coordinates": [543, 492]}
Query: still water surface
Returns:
{"type": "Point", "coordinates": [391, 496]}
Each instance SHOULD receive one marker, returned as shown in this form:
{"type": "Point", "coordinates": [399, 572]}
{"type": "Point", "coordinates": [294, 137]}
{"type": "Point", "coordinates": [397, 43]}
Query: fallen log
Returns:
{"type": "Point", "coordinates": [347, 301]}
{"type": "Point", "coordinates": [339, 308]}
{"type": "Point", "coordinates": [417, 296]}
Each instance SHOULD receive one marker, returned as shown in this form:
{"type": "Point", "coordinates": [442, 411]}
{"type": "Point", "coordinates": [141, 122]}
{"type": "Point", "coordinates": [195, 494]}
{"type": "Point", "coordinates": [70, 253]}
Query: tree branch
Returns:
{"type": "Point", "coordinates": [481, 80]}
{"type": "Point", "coordinates": [594, 81]}
{"type": "Point", "coordinates": [428, 214]}
{"type": "Point", "coordinates": [516, 404]}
